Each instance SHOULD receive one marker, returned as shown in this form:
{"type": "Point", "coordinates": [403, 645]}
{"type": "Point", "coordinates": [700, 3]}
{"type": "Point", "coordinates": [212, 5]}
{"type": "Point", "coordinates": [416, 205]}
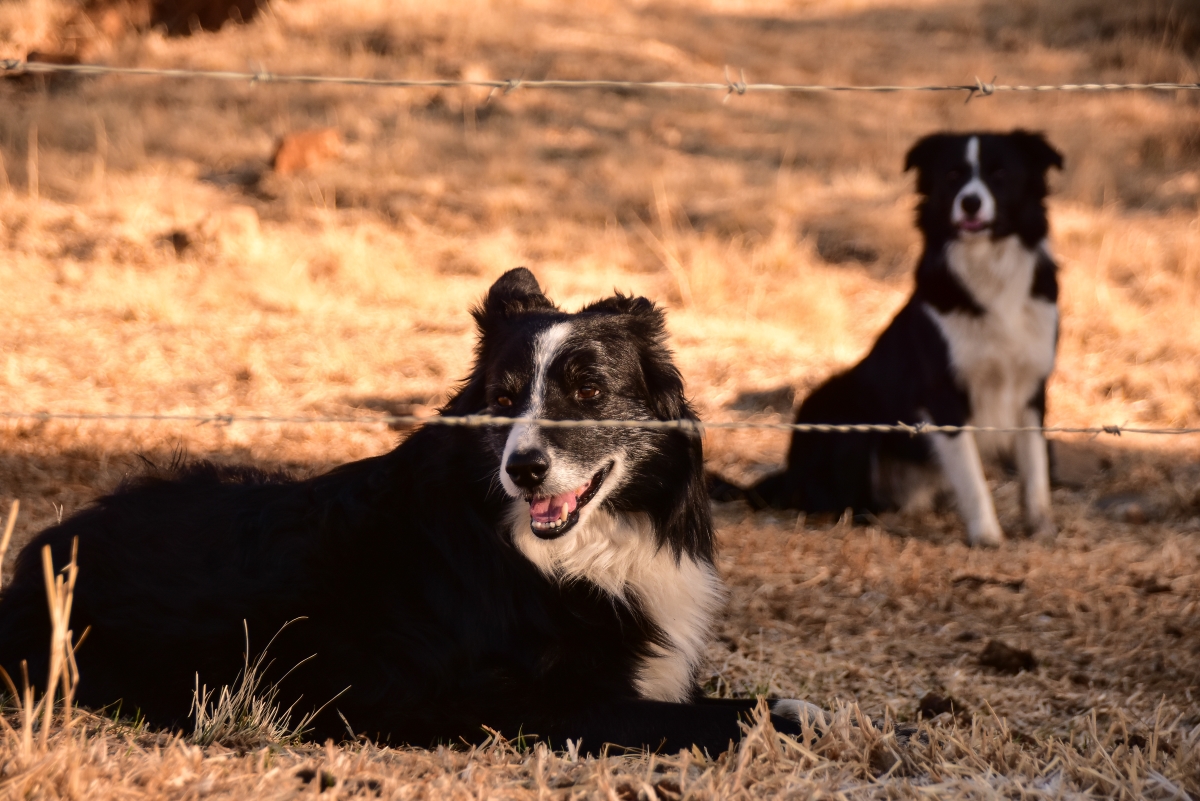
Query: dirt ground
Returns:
{"type": "Point", "coordinates": [152, 261]}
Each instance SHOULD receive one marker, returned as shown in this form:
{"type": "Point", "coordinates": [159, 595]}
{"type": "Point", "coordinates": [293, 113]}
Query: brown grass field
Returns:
{"type": "Point", "coordinates": [150, 261]}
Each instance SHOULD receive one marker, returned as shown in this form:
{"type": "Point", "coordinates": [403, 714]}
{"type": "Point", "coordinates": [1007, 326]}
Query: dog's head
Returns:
{"type": "Point", "coordinates": [983, 185]}
{"type": "Point", "coordinates": [608, 361]}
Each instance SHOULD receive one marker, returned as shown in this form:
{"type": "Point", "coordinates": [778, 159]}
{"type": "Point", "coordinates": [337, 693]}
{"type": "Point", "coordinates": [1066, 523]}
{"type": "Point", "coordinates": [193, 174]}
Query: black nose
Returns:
{"type": "Point", "coordinates": [527, 469]}
{"type": "Point", "coordinates": [971, 204]}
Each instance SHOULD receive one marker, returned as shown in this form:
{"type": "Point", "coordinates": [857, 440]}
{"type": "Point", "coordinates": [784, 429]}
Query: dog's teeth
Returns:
{"type": "Point", "coordinates": [565, 514]}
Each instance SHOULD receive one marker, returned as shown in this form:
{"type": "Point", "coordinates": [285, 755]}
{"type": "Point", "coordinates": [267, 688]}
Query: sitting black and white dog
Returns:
{"type": "Point", "coordinates": [546, 582]}
{"type": "Point", "coordinates": [974, 345]}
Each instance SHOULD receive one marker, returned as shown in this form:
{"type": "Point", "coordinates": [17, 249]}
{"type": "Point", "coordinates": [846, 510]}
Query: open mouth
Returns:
{"type": "Point", "coordinates": [551, 516]}
{"type": "Point", "coordinates": [974, 226]}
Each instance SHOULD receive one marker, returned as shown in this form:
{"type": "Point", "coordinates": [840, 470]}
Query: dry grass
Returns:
{"type": "Point", "coordinates": [247, 714]}
{"type": "Point", "coordinates": [982, 759]}
{"type": "Point", "coordinates": [163, 268]}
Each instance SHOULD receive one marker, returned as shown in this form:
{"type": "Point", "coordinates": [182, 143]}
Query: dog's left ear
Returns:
{"type": "Point", "coordinates": [642, 310]}
{"type": "Point", "coordinates": [664, 384]}
{"type": "Point", "coordinates": [1040, 152]}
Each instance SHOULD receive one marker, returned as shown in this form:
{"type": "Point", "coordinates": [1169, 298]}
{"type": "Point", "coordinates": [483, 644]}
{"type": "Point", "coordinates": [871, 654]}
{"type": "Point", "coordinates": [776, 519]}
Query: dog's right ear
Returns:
{"type": "Point", "coordinates": [920, 154]}
{"type": "Point", "coordinates": [515, 292]}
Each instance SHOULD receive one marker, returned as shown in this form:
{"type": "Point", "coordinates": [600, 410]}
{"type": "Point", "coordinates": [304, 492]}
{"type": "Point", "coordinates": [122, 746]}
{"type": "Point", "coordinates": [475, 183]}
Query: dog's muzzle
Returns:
{"type": "Point", "coordinates": [550, 516]}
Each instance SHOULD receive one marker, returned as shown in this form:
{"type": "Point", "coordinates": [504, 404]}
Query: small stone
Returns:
{"type": "Point", "coordinates": [1006, 659]}
{"type": "Point", "coordinates": [931, 705]}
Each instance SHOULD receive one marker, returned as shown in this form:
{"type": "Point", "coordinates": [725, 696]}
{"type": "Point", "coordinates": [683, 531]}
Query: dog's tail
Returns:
{"type": "Point", "coordinates": [768, 493]}
{"type": "Point", "coordinates": [722, 489]}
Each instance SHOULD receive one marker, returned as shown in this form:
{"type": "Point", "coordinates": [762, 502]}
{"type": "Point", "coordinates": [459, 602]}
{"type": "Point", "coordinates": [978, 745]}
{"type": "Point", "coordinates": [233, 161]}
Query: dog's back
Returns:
{"type": "Point", "coordinates": [838, 470]}
{"type": "Point", "coordinates": [365, 562]}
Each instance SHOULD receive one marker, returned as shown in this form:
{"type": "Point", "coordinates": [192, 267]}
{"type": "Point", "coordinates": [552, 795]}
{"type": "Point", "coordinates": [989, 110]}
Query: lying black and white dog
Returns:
{"type": "Point", "coordinates": [550, 583]}
{"type": "Point", "coordinates": [974, 345]}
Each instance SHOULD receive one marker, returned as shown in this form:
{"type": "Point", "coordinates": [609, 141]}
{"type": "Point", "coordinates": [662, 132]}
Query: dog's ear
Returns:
{"type": "Point", "coordinates": [643, 318]}
{"type": "Point", "coordinates": [647, 323]}
{"type": "Point", "coordinates": [664, 384]}
{"type": "Point", "coordinates": [515, 292]}
{"type": "Point", "coordinates": [642, 309]}
{"type": "Point", "coordinates": [1040, 152]}
{"type": "Point", "coordinates": [920, 154]}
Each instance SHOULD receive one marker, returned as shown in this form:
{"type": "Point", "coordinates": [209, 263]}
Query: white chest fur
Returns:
{"type": "Point", "coordinates": [1001, 356]}
{"type": "Point", "coordinates": [617, 553]}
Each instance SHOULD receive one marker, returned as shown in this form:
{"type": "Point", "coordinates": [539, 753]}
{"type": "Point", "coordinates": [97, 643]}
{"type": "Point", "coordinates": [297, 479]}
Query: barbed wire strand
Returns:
{"type": "Point", "coordinates": [486, 420]}
{"type": "Point", "coordinates": [729, 86]}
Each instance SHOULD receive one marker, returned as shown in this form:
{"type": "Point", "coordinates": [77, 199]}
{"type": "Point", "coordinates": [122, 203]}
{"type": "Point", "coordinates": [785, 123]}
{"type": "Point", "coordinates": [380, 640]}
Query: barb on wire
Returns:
{"type": "Point", "coordinates": [729, 86]}
{"type": "Point", "coordinates": [985, 89]}
{"type": "Point", "coordinates": [734, 86]}
{"type": "Point", "coordinates": [482, 420]}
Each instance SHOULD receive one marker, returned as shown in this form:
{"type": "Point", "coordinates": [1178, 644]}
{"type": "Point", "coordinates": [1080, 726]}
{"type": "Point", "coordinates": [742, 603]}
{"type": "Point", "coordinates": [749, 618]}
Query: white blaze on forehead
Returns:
{"type": "Point", "coordinates": [977, 187]}
{"type": "Point", "coordinates": [522, 436]}
{"type": "Point", "coordinates": [545, 350]}
{"type": "Point", "coordinates": [973, 155]}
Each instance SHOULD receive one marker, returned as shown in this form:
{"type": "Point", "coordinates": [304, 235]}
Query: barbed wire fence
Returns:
{"type": "Point", "coordinates": [730, 87]}
{"type": "Point", "coordinates": [493, 421]}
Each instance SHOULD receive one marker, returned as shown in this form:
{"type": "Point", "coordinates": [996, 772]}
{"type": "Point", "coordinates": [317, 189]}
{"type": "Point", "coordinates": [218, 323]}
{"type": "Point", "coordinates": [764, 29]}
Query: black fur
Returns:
{"type": "Point", "coordinates": [1045, 279]}
{"type": "Point", "coordinates": [403, 581]}
{"type": "Point", "coordinates": [908, 375]}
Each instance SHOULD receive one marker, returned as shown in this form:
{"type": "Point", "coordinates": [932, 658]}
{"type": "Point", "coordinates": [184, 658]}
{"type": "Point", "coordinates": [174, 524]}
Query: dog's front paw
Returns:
{"type": "Point", "coordinates": [800, 712]}
{"type": "Point", "coordinates": [986, 534]}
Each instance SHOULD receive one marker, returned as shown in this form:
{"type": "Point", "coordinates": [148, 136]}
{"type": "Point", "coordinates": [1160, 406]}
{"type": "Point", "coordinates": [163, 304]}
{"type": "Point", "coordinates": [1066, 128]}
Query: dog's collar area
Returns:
{"type": "Point", "coordinates": [553, 516]}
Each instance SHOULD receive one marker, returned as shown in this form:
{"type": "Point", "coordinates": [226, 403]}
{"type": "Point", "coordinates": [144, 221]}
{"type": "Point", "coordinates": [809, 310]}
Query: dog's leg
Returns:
{"type": "Point", "coordinates": [1033, 466]}
{"type": "Point", "coordinates": [959, 457]}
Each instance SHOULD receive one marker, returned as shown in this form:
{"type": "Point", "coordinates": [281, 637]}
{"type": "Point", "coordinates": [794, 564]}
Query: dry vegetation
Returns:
{"type": "Point", "coordinates": [151, 262]}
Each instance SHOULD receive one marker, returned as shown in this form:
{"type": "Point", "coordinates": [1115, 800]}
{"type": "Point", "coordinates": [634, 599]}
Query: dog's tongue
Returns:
{"type": "Point", "coordinates": [545, 510]}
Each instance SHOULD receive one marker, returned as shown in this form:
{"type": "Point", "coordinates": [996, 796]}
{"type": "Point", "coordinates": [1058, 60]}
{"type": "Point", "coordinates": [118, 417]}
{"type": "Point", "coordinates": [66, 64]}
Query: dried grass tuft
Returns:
{"type": "Point", "coordinates": [247, 714]}
{"type": "Point", "coordinates": [6, 538]}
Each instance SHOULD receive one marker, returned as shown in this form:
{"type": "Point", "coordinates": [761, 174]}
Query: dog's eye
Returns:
{"type": "Point", "coordinates": [587, 392]}
{"type": "Point", "coordinates": [996, 172]}
{"type": "Point", "coordinates": [956, 173]}
{"type": "Point", "coordinates": [503, 400]}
